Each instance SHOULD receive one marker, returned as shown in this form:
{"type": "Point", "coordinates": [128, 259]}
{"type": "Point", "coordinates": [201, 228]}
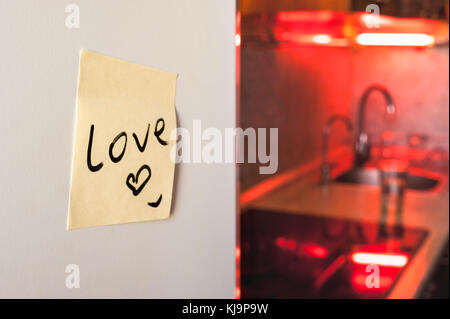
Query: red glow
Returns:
{"type": "Point", "coordinates": [290, 245]}
{"type": "Point", "coordinates": [388, 136]}
{"type": "Point", "coordinates": [284, 243]}
{"type": "Point", "coordinates": [277, 181]}
{"type": "Point", "coordinates": [321, 39]}
{"type": "Point", "coordinates": [359, 282]}
{"type": "Point", "coordinates": [238, 252]}
{"type": "Point", "coordinates": [392, 165]}
{"type": "Point", "coordinates": [237, 40]}
{"type": "Point", "coordinates": [395, 39]}
{"type": "Point", "coordinates": [369, 20]}
{"type": "Point", "coordinates": [262, 188]}
{"type": "Point", "coordinates": [312, 250]}
{"type": "Point", "coordinates": [280, 242]}
{"type": "Point", "coordinates": [238, 293]}
{"type": "Point", "coordinates": [310, 39]}
{"type": "Point", "coordinates": [381, 259]}
{"type": "Point", "coordinates": [414, 140]}
{"type": "Point", "coordinates": [339, 29]}
{"type": "Point", "coordinates": [315, 250]}
{"type": "Point", "coordinates": [305, 16]}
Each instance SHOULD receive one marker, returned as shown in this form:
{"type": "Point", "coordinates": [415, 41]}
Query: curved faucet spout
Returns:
{"type": "Point", "coordinates": [362, 147]}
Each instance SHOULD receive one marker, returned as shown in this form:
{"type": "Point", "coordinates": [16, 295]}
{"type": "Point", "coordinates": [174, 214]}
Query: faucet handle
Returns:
{"type": "Point", "coordinates": [325, 170]}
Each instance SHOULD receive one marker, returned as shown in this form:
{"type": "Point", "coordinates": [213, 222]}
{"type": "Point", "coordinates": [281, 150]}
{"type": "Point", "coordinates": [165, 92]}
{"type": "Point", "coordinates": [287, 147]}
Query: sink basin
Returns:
{"type": "Point", "coordinates": [294, 255]}
{"type": "Point", "coordinates": [371, 176]}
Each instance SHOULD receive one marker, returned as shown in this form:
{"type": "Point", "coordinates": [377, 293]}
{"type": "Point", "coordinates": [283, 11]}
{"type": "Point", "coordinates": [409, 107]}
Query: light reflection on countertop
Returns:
{"type": "Point", "coordinates": [427, 210]}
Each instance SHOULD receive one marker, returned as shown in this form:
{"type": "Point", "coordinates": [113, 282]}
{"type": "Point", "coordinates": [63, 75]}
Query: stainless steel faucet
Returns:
{"type": "Point", "coordinates": [362, 147]}
{"type": "Point", "coordinates": [325, 168]}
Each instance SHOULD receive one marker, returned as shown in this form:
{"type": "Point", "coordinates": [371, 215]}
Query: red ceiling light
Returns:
{"type": "Point", "coordinates": [344, 29]}
{"type": "Point", "coordinates": [380, 259]}
{"type": "Point", "coordinates": [395, 39]}
{"type": "Point", "coordinates": [306, 16]}
{"type": "Point", "coordinates": [321, 39]}
{"type": "Point", "coordinates": [370, 20]}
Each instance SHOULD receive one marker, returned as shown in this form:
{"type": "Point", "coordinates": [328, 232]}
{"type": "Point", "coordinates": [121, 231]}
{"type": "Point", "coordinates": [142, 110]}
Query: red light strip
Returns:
{"type": "Point", "coordinates": [389, 260]}
{"type": "Point", "coordinates": [395, 39]}
{"type": "Point", "coordinates": [339, 29]}
{"type": "Point", "coordinates": [321, 39]}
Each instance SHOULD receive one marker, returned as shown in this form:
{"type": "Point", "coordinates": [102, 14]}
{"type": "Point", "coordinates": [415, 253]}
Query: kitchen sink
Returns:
{"type": "Point", "coordinates": [371, 176]}
{"type": "Point", "coordinates": [294, 255]}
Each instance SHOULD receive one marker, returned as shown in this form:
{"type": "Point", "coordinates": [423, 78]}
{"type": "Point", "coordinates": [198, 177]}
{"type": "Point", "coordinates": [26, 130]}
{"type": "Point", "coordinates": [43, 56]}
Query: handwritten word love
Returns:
{"type": "Point", "coordinates": [132, 180]}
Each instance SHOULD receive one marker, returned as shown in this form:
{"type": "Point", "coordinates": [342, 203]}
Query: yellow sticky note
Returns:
{"type": "Point", "coordinates": [122, 170]}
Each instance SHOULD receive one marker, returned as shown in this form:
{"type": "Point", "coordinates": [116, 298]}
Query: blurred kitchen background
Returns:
{"type": "Point", "coordinates": [306, 63]}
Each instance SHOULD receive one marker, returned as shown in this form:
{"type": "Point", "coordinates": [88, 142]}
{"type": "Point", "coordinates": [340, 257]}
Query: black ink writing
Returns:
{"type": "Point", "coordinates": [156, 204]}
{"type": "Point", "coordinates": [135, 179]}
{"type": "Point", "coordinates": [111, 147]}
{"type": "Point", "coordinates": [158, 132]}
{"type": "Point", "coordinates": [92, 168]}
{"type": "Point", "coordinates": [135, 182]}
{"type": "Point", "coordinates": [140, 147]}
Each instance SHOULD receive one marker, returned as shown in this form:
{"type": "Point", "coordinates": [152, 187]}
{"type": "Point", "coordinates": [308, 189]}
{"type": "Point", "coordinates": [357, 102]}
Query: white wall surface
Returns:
{"type": "Point", "coordinates": [190, 255]}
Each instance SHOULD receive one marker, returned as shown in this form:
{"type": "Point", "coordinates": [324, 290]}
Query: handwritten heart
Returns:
{"type": "Point", "coordinates": [135, 180]}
